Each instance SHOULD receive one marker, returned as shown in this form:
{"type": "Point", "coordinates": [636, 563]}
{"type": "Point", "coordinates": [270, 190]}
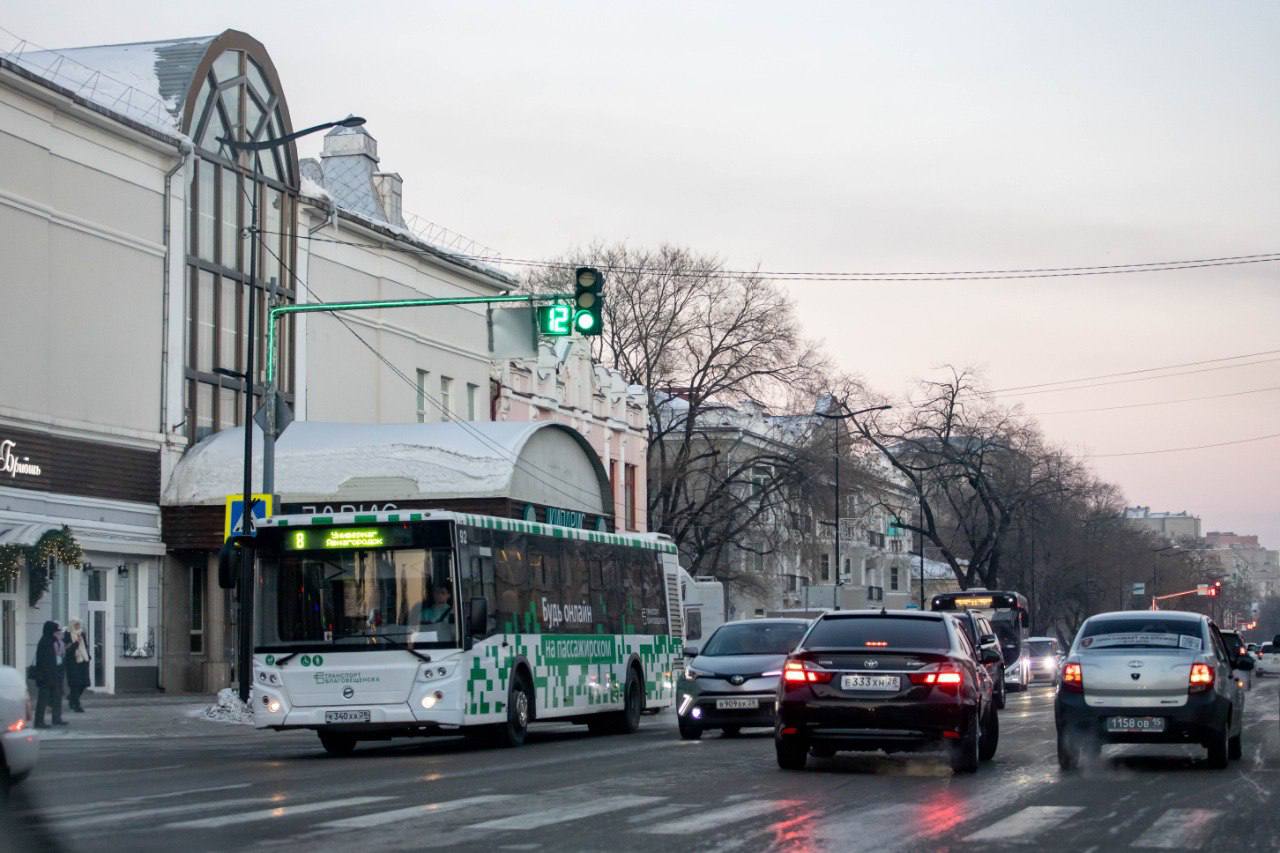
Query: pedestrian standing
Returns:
{"type": "Point", "coordinates": [49, 674]}
{"type": "Point", "coordinates": [77, 664]}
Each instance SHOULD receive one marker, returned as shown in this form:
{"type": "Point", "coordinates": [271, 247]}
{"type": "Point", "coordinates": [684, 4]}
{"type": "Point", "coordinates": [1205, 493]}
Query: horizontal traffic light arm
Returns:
{"type": "Point", "coordinates": [375, 305]}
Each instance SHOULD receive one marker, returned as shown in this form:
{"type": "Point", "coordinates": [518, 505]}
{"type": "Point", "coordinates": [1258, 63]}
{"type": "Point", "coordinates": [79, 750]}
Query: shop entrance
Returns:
{"type": "Point", "coordinates": [102, 667]}
{"type": "Point", "coordinates": [9, 624]}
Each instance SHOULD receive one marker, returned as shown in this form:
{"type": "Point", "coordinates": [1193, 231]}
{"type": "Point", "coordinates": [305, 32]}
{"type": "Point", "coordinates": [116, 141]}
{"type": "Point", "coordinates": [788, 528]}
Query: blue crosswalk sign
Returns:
{"type": "Point", "coordinates": [262, 505]}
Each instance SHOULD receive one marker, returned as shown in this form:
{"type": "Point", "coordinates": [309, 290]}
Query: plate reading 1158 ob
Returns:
{"type": "Point", "coordinates": [869, 682]}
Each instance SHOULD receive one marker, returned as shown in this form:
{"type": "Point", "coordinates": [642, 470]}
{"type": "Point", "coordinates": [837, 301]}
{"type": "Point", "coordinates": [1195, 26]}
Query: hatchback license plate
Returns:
{"type": "Point", "coordinates": [347, 716]}
{"type": "Point", "coordinates": [1135, 724]}
{"type": "Point", "coordinates": [731, 704]}
{"type": "Point", "coordinates": [869, 682]}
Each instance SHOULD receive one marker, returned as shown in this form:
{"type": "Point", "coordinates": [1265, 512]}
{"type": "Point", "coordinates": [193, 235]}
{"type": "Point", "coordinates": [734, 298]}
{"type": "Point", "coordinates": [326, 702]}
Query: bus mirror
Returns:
{"type": "Point", "coordinates": [228, 564]}
{"type": "Point", "coordinates": [478, 617]}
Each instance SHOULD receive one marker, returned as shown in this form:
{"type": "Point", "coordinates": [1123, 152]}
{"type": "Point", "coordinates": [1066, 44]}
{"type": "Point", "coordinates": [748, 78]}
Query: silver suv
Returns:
{"type": "Point", "coordinates": [1150, 677]}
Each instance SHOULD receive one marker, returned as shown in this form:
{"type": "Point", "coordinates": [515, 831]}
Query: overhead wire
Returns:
{"type": "Point", "coordinates": [1134, 372]}
{"type": "Point", "coordinates": [1128, 380]}
{"type": "Point", "coordinates": [1158, 402]}
{"type": "Point", "coordinates": [1183, 449]}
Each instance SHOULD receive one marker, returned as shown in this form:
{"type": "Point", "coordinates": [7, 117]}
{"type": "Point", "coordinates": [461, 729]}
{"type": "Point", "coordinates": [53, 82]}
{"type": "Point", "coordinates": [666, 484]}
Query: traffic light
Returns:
{"type": "Point", "coordinates": [1215, 589]}
{"type": "Point", "coordinates": [588, 301]}
{"type": "Point", "coordinates": [229, 558]}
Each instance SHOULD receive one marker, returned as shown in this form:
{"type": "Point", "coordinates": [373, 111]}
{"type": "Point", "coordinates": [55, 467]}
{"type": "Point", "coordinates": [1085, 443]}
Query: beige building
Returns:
{"type": "Point", "coordinates": [1171, 526]}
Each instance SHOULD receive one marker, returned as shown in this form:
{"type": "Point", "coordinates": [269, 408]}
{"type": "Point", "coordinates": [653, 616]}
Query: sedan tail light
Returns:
{"type": "Point", "coordinates": [945, 676]}
{"type": "Point", "coordinates": [1201, 678]}
{"type": "Point", "coordinates": [802, 672]}
{"type": "Point", "coordinates": [1073, 678]}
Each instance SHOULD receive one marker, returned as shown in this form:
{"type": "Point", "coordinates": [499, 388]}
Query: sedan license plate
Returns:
{"type": "Point", "coordinates": [347, 716]}
{"type": "Point", "coordinates": [1135, 724]}
{"type": "Point", "coordinates": [869, 682]}
{"type": "Point", "coordinates": [736, 704]}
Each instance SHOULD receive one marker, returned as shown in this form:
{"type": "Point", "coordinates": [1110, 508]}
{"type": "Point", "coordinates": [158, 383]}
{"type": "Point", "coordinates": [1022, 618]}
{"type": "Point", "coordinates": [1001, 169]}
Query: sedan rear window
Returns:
{"type": "Point", "coordinates": [1138, 632]}
{"type": "Point", "coordinates": [777, 638]}
{"type": "Point", "coordinates": [877, 632]}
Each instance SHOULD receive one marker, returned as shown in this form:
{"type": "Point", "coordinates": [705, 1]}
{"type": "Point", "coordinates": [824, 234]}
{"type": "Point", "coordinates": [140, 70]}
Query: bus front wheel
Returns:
{"type": "Point", "coordinates": [519, 712]}
{"type": "Point", "coordinates": [336, 744]}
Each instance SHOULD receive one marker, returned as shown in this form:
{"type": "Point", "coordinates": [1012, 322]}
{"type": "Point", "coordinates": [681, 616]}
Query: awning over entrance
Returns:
{"type": "Point", "coordinates": [537, 462]}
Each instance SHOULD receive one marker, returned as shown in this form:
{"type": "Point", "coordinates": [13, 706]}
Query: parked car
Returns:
{"type": "Point", "coordinates": [1046, 656]}
{"type": "Point", "coordinates": [1149, 677]}
{"type": "Point", "coordinates": [980, 633]}
{"type": "Point", "coordinates": [21, 742]}
{"type": "Point", "coordinates": [887, 680]}
{"type": "Point", "coordinates": [732, 681]}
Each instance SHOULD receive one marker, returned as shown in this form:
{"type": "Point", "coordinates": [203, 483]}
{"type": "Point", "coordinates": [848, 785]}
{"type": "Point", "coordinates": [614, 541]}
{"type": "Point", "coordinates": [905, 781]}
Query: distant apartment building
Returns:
{"type": "Point", "coordinates": [1243, 558]}
{"type": "Point", "coordinates": [1172, 526]}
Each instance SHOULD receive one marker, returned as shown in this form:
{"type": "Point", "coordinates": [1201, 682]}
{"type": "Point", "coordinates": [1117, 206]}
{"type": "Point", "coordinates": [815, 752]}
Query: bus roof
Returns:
{"type": "Point", "coordinates": [648, 541]}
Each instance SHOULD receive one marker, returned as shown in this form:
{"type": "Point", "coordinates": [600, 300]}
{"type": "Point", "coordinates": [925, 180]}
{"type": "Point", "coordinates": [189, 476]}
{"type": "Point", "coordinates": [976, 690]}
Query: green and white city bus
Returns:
{"type": "Point", "coordinates": [378, 625]}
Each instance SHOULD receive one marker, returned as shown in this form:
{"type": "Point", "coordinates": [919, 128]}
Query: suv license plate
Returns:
{"type": "Point", "coordinates": [347, 716]}
{"type": "Point", "coordinates": [729, 704]}
{"type": "Point", "coordinates": [869, 682]}
{"type": "Point", "coordinates": [1135, 724]}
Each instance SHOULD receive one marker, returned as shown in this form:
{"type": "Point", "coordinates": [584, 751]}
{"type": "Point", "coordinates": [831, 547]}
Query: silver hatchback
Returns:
{"type": "Point", "coordinates": [732, 681]}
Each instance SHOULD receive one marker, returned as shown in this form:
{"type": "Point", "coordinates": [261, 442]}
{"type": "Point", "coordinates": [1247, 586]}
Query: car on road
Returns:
{"type": "Point", "coordinates": [1269, 663]}
{"type": "Point", "coordinates": [980, 633]}
{"type": "Point", "coordinates": [1046, 656]}
{"type": "Point", "coordinates": [19, 742]}
{"type": "Point", "coordinates": [1149, 677]}
{"type": "Point", "coordinates": [731, 682]}
{"type": "Point", "coordinates": [1239, 649]}
{"type": "Point", "coordinates": [887, 680]}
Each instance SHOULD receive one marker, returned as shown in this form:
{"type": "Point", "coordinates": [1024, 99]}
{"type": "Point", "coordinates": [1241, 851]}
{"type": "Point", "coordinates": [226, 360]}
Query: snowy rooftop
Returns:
{"type": "Point", "coordinates": [318, 461]}
{"type": "Point", "coordinates": [142, 81]}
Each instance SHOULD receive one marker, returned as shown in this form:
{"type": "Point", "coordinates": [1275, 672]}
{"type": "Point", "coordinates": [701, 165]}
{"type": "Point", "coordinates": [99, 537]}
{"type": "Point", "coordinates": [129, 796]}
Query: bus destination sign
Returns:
{"type": "Point", "coordinates": [342, 538]}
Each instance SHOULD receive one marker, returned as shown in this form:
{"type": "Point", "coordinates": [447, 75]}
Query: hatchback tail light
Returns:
{"type": "Point", "coordinates": [945, 676]}
{"type": "Point", "coordinates": [1073, 678]}
{"type": "Point", "coordinates": [1200, 679]}
{"type": "Point", "coordinates": [802, 672]}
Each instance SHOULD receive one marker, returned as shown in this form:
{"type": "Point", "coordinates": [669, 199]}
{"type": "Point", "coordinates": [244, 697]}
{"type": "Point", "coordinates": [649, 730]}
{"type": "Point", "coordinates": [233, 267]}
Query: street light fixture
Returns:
{"type": "Point", "coordinates": [842, 417]}
{"type": "Point", "coordinates": [244, 657]}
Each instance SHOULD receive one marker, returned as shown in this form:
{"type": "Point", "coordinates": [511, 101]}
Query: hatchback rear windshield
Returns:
{"type": "Point", "coordinates": [1139, 632]}
{"type": "Point", "coordinates": [876, 632]}
{"type": "Point", "coordinates": [776, 638]}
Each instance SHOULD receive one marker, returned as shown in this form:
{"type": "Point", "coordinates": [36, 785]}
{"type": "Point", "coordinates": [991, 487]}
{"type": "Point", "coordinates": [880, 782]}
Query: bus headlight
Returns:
{"type": "Point", "coordinates": [266, 677]}
{"type": "Point", "coordinates": [431, 672]}
{"type": "Point", "coordinates": [429, 701]}
{"type": "Point", "coordinates": [272, 705]}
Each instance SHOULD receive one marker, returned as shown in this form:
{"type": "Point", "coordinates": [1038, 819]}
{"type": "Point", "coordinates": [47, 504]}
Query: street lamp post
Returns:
{"type": "Point", "coordinates": [244, 656]}
{"type": "Point", "coordinates": [838, 417]}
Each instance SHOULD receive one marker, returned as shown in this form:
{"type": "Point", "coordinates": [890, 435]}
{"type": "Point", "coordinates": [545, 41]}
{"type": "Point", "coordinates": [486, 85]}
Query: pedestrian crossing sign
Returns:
{"type": "Point", "coordinates": [262, 505]}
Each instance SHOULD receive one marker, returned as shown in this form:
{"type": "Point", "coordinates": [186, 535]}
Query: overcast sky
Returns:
{"type": "Point", "coordinates": [857, 137]}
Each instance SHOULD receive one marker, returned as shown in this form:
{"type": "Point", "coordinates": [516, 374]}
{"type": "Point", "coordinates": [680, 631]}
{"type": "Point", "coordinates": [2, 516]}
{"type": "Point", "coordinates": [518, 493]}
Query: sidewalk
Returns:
{"type": "Point", "coordinates": [140, 716]}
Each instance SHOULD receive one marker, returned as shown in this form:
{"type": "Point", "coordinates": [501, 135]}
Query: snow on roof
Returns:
{"type": "Point", "coordinates": [142, 81]}
{"type": "Point", "coordinates": [318, 461]}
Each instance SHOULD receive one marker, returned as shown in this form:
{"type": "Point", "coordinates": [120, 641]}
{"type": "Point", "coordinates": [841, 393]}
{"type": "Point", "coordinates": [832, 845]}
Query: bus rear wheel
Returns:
{"type": "Point", "coordinates": [336, 744]}
{"type": "Point", "coordinates": [626, 721]}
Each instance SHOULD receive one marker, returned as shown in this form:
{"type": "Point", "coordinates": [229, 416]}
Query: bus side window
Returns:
{"type": "Point", "coordinates": [693, 623]}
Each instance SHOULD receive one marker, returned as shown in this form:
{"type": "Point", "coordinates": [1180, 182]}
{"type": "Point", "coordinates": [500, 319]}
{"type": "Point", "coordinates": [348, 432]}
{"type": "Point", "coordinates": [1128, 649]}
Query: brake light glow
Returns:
{"type": "Point", "coordinates": [799, 672]}
{"type": "Point", "coordinates": [1073, 678]}
{"type": "Point", "coordinates": [945, 676]}
{"type": "Point", "coordinates": [1201, 678]}
{"type": "Point", "coordinates": [878, 644]}
{"type": "Point", "coordinates": [17, 726]}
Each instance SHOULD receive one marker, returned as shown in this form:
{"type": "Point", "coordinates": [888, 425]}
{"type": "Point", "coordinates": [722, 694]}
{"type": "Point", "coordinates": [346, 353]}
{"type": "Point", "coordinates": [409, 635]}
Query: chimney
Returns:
{"type": "Point", "coordinates": [388, 186]}
{"type": "Point", "coordinates": [349, 160]}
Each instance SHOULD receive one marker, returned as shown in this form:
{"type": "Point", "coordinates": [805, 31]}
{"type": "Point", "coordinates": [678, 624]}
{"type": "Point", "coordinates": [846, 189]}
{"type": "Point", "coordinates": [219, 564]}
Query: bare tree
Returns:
{"type": "Point", "coordinates": [708, 347]}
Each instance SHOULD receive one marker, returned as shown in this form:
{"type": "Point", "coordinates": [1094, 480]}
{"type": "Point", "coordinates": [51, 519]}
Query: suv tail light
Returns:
{"type": "Point", "coordinates": [1201, 678]}
{"type": "Point", "coordinates": [946, 676]}
{"type": "Point", "coordinates": [1073, 678]}
{"type": "Point", "coordinates": [802, 672]}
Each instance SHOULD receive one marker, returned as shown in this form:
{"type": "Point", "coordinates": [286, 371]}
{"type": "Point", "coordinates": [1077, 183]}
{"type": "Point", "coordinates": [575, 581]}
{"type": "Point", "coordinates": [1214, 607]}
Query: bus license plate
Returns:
{"type": "Point", "coordinates": [739, 704]}
{"type": "Point", "coordinates": [1135, 724]}
{"type": "Point", "coordinates": [347, 716]}
{"type": "Point", "coordinates": [869, 682]}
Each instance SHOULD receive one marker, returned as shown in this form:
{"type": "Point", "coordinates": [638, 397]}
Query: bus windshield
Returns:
{"type": "Point", "coordinates": [359, 598]}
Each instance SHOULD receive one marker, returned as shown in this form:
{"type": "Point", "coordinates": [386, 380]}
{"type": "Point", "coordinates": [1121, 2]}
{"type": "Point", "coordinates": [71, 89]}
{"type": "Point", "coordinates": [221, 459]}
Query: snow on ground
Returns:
{"type": "Point", "coordinates": [229, 709]}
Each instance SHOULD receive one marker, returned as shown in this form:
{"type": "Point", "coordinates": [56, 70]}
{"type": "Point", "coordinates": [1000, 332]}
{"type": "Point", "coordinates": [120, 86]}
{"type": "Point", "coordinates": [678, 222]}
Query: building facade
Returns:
{"type": "Point", "coordinates": [1174, 527]}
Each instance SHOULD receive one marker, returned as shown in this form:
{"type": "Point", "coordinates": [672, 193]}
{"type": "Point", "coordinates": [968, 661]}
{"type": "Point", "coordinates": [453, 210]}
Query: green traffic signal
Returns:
{"type": "Point", "coordinates": [588, 301]}
{"type": "Point", "coordinates": [555, 321]}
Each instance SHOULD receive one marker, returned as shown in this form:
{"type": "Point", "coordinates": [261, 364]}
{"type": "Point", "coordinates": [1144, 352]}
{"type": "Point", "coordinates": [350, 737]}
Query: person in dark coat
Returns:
{"type": "Point", "coordinates": [49, 674]}
{"type": "Point", "coordinates": [76, 664]}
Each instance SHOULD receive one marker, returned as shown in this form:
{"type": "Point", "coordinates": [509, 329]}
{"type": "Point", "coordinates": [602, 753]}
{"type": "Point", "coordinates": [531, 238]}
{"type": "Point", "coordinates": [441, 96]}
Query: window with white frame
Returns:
{"type": "Point", "coordinates": [422, 396]}
{"type": "Point", "coordinates": [824, 562]}
{"type": "Point", "coordinates": [893, 577]}
{"type": "Point", "coordinates": [446, 398]}
{"type": "Point", "coordinates": [133, 609]}
{"type": "Point", "coordinates": [473, 401]}
{"type": "Point", "coordinates": [58, 589]}
{"type": "Point", "coordinates": [198, 581]}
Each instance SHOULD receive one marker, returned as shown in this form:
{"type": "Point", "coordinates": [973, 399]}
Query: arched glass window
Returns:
{"type": "Point", "coordinates": [235, 99]}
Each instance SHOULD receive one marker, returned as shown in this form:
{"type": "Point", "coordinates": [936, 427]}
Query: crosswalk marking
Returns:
{"type": "Point", "coordinates": [414, 812]}
{"type": "Point", "coordinates": [268, 814]}
{"type": "Point", "coordinates": [548, 816]}
{"type": "Point", "coordinates": [1179, 829]}
{"type": "Point", "coordinates": [80, 821]}
{"type": "Point", "coordinates": [1025, 824]}
{"type": "Point", "coordinates": [719, 817]}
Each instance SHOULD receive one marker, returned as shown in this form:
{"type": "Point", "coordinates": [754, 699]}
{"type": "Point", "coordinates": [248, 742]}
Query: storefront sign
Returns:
{"type": "Point", "coordinates": [565, 517]}
{"type": "Point", "coordinates": [13, 464]}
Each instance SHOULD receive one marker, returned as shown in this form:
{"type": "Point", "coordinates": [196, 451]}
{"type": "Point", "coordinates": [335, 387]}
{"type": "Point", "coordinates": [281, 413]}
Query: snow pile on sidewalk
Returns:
{"type": "Point", "coordinates": [229, 709]}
